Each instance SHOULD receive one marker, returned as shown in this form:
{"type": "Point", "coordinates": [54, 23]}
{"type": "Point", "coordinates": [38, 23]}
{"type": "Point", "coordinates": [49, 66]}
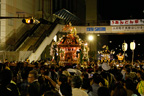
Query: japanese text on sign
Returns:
{"type": "Point", "coordinates": [127, 22]}
{"type": "Point", "coordinates": [127, 28]}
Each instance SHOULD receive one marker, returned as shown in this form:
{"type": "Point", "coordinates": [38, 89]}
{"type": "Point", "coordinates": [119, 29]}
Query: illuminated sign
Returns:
{"type": "Point", "coordinates": [96, 28]}
{"type": "Point", "coordinates": [127, 22]}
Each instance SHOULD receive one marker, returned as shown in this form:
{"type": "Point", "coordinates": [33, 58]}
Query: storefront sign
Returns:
{"type": "Point", "coordinates": [127, 28]}
{"type": "Point", "coordinates": [127, 22]}
{"type": "Point", "coordinates": [96, 28]}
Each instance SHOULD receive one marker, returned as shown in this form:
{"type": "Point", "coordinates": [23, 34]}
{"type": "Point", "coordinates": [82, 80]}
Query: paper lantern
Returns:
{"type": "Point", "coordinates": [132, 45]}
{"type": "Point", "coordinates": [124, 46]}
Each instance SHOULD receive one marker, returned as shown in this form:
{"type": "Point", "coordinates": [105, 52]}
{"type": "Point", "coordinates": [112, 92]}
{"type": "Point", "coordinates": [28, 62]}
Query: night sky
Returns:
{"type": "Point", "coordinates": [117, 41]}
{"type": "Point", "coordinates": [120, 9]}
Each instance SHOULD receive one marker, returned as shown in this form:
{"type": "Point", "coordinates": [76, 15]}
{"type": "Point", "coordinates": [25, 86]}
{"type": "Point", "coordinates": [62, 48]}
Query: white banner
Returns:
{"type": "Point", "coordinates": [128, 28]}
{"type": "Point", "coordinates": [127, 22]}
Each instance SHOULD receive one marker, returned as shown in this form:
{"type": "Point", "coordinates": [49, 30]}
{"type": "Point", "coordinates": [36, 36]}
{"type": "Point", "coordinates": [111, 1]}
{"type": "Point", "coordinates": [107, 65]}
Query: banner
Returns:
{"type": "Point", "coordinates": [127, 28]}
{"type": "Point", "coordinates": [127, 22]}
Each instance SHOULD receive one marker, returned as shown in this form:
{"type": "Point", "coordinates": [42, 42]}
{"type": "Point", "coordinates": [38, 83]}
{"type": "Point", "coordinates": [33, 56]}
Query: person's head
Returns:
{"type": "Point", "coordinates": [134, 70]}
{"type": "Point", "coordinates": [53, 67]}
{"type": "Point", "coordinates": [63, 79]}
{"type": "Point", "coordinates": [139, 72]}
{"type": "Point", "coordinates": [33, 75]}
{"type": "Point", "coordinates": [41, 79]}
{"type": "Point", "coordinates": [76, 82]}
{"type": "Point", "coordinates": [119, 91]}
{"type": "Point", "coordinates": [96, 78]}
{"type": "Point", "coordinates": [5, 77]}
{"type": "Point", "coordinates": [86, 83]}
{"type": "Point", "coordinates": [104, 74]}
{"type": "Point", "coordinates": [42, 69]}
{"type": "Point", "coordinates": [52, 93]}
{"type": "Point", "coordinates": [106, 67]}
{"type": "Point", "coordinates": [66, 89]}
{"type": "Point", "coordinates": [118, 76]}
{"type": "Point", "coordinates": [103, 91]}
{"type": "Point", "coordinates": [85, 75]}
{"type": "Point", "coordinates": [129, 84]}
{"type": "Point", "coordinates": [127, 70]}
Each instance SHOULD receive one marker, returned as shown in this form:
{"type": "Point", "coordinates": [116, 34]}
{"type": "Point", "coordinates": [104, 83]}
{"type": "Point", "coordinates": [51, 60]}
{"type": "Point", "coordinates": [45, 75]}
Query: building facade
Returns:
{"type": "Point", "coordinates": [11, 29]}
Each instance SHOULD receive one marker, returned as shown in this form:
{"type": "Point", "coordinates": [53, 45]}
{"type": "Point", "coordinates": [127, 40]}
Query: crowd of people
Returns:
{"type": "Point", "coordinates": [46, 79]}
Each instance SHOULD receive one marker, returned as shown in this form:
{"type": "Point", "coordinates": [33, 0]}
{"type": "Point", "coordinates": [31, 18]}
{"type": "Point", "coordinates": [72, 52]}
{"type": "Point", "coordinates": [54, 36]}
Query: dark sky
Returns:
{"type": "Point", "coordinates": [121, 9]}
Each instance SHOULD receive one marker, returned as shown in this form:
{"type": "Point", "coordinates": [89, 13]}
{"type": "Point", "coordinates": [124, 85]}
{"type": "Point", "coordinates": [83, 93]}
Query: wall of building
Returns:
{"type": "Point", "coordinates": [47, 5]}
{"type": "Point", "coordinates": [91, 12]}
{"type": "Point", "coordinates": [11, 27]}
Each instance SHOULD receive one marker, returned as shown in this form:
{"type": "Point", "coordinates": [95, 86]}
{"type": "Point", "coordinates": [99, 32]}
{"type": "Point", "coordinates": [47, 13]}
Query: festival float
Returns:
{"type": "Point", "coordinates": [71, 49]}
{"type": "Point", "coordinates": [106, 54]}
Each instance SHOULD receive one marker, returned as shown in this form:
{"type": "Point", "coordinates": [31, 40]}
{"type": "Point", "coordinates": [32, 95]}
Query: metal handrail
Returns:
{"type": "Point", "coordinates": [42, 37]}
{"type": "Point", "coordinates": [24, 36]}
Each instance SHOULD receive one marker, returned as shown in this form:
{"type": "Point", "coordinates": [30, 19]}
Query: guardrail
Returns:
{"type": "Point", "coordinates": [24, 36]}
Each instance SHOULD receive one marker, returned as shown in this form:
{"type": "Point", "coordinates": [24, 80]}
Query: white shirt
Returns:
{"type": "Point", "coordinates": [78, 92]}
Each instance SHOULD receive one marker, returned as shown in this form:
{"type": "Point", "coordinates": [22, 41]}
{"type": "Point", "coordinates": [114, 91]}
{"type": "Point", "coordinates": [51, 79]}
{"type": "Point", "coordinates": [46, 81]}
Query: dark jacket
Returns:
{"type": "Point", "coordinates": [34, 89]}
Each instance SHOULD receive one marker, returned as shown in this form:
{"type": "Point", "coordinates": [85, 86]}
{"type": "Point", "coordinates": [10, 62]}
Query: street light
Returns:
{"type": "Point", "coordinates": [132, 47]}
{"type": "Point", "coordinates": [98, 34]}
{"type": "Point", "coordinates": [90, 37]}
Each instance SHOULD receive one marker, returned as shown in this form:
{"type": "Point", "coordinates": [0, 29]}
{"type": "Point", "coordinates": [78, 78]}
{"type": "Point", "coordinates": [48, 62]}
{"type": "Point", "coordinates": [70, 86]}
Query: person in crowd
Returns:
{"type": "Point", "coordinates": [140, 86]}
{"type": "Point", "coordinates": [86, 84]}
{"type": "Point", "coordinates": [104, 76]}
{"type": "Point", "coordinates": [142, 69]}
{"type": "Point", "coordinates": [52, 93]}
{"type": "Point", "coordinates": [130, 88]}
{"type": "Point", "coordinates": [65, 88]}
{"type": "Point", "coordinates": [118, 81]}
{"type": "Point", "coordinates": [109, 77]}
{"type": "Point", "coordinates": [123, 71]}
{"type": "Point", "coordinates": [44, 86]}
{"type": "Point", "coordinates": [119, 91]}
{"type": "Point", "coordinates": [106, 80]}
{"type": "Point", "coordinates": [1, 67]}
{"type": "Point", "coordinates": [5, 78]}
{"type": "Point", "coordinates": [76, 87]}
{"type": "Point", "coordinates": [53, 74]}
{"type": "Point", "coordinates": [34, 87]}
{"type": "Point", "coordinates": [62, 85]}
{"type": "Point", "coordinates": [42, 70]}
{"type": "Point", "coordinates": [14, 88]}
{"type": "Point", "coordinates": [66, 73]}
{"type": "Point", "coordinates": [129, 74]}
{"type": "Point", "coordinates": [103, 91]}
{"type": "Point", "coordinates": [139, 72]}
{"type": "Point", "coordinates": [96, 84]}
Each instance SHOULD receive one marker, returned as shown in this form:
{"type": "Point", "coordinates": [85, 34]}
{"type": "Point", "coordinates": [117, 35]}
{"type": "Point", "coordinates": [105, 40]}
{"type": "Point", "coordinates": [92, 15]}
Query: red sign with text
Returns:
{"type": "Point", "coordinates": [127, 22]}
